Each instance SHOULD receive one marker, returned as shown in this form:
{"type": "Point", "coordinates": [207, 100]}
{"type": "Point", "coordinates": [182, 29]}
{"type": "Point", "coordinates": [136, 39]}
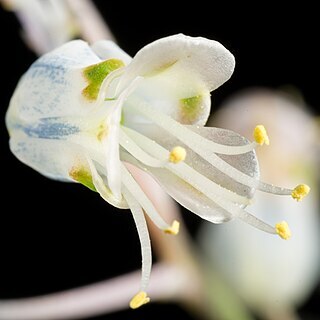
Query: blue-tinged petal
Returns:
{"type": "Point", "coordinates": [53, 158]}
{"type": "Point", "coordinates": [52, 86]}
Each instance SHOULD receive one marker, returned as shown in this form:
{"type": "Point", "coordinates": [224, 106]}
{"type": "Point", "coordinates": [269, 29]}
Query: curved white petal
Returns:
{"type": "Point", "coordinates": [206, 60]}
{"type": "Point", "coordinates": [179, 73]}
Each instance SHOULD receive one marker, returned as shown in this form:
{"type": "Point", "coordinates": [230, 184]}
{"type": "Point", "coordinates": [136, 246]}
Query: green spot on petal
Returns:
{"type": "Point", "coordinates": [83, 176]}
{"type": "Point", "coordinates": [96, 73]}
{"type": "Point", "coordinates": [190, 108]}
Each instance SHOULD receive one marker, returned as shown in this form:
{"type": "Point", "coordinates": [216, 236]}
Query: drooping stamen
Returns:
{"type": "Point", "coordinates": [260, 135]}
{"type": "Point", "coordinates": [139, 299]}
{"type": "Point", "coordinates": [143, 233]}
{"type": "Point", "coordinates": [282, 229]}
{"type": "Point", "coordinates": [226, 205]}
{"type": "Point", "coordinates": [204, 148]}
{"type": "Point", "coordinates": [184, 171]}
{"type": "Point", "coordinates": [177, 154]}
{"type": "Point", "coordinates": [143, 200]}
{"type": "Point", "coordinates": [300, 191]}
{"type": "Point", "coordinates": [223, 202]}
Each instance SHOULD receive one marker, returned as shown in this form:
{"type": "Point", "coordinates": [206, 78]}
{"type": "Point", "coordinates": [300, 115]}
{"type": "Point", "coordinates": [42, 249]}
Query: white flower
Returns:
{"type": "Point", "coordinates": [80, 113]}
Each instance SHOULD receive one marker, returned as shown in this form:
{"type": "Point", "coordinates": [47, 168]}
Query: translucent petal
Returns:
{"type": "Point", "coordinates": [106, 49]}
{"type": "Point", "coordinates": [247, 163]}
{"type": "Point", "coordinates": [184, 193]}
{"type": "Point", "coordinates": [188, 195]}
{"type": "Point", "coordinates": [52, 86]}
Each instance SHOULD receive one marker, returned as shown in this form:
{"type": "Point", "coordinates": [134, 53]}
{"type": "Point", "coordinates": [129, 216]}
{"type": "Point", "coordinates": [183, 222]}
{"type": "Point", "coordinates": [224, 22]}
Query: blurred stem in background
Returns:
{"type": "Point", "coordinates": [50, 23]}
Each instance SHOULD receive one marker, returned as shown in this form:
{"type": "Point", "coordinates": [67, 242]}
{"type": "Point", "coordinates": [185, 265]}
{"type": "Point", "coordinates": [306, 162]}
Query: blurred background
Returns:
{"type": "Point", "coordinates": [56, 236]}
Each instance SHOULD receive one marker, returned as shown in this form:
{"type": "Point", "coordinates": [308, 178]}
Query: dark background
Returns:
{"type": "Point", "coordinates": [55, 236]}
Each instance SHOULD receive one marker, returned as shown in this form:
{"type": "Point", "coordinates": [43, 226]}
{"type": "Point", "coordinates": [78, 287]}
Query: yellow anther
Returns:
{"type": "Point", "coordinates": [177, 154]}
{"type": "Point", "coordinates": [139, 299]}
{"type": "Point", "coordinates": [282, 229]}
{"type": "Point", "coordinates": [260, 135]}
{"type": "Point", "coordinates": [174, 229]}
{"type": "Point", "coordinates": [300, 191]}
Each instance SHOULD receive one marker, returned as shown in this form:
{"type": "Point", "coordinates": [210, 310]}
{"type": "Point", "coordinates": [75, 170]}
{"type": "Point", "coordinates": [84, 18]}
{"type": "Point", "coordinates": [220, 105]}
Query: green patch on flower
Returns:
{"type": "Point", "coordinates": [190, 108]}
{"type": "Point", "coordinates": [83, 176]}
{"type": "Point", "coordinates": [95, 74]}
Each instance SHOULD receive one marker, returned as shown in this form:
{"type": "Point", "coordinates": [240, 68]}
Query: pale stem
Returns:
{"type": "Point", "coordinates": [170, 280]}
{"type": "Point", "coordinates": [82, 16]}
{"type": "Point", "coordinates": [103, 297]}
{"type": "Point", "coordinates": [90, 22]}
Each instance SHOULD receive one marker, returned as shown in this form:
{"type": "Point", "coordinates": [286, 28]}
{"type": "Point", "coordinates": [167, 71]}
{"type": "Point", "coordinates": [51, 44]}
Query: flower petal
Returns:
{"type": "Point", "coordinates": [180, 72]}
{"type": "Point", "coordinates": [52, 86]}
{"type": "Point", "coordinates": [206, 60]}
{"type": "Point", "coordinates": [55, 159]}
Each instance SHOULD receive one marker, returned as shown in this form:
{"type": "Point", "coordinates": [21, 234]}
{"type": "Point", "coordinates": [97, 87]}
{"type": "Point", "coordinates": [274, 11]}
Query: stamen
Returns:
{"type": "Point", "coordinates": [185, 172]}
{"type": "Point", "coordinates": [177, 154]}
{"type": "Point", "coordinates": [174, 229]}
{"type": "Point", "coordinates": [134, 188]}
{"type": "Point", "coordinates": [183, 133]}
{"type": "Point", "coordinates": [300, 191]}
{"type": "Point", "coordinates": [282, 229]}
{"type": "Point", "coordinates": [143, 233]}
{"type": "Point", "coordinates": [205, 148]}
{"type": "Point", "coordinates": [139, 299]}
{"type": "Point", "coordinates": [260, 135]}
{"type": "Point", "coordinates": [255, 222]}
{"type": "Point", "coordinates": [197, 181]}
